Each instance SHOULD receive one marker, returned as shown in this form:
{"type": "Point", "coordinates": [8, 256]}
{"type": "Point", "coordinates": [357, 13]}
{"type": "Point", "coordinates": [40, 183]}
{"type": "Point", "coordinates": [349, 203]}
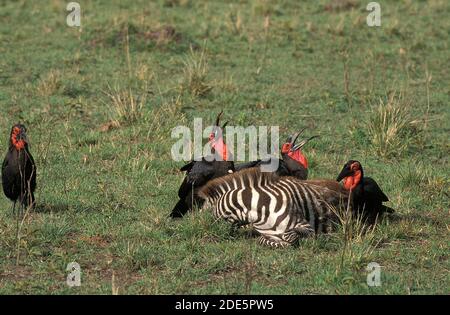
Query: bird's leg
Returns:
{"type": "Point", "coordinates": [21, 210]}
{"type": "Point", "coordinates": [14, 208]}
{"type": "Point", "coordinates": [22, 205]}
{"type": "Point", "coordinates": [33, 201]}
{"type": "Point", "coordinates": [30, 201]}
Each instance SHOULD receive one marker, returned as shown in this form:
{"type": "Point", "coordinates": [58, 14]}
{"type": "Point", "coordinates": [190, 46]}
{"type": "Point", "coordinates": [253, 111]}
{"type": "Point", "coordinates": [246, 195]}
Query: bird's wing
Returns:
{"type": "Point", "coordinates": [4, 164]}
{"type": "Point", "coordinates": [190, 201]}
{"type": "Point", "coordinates": [387, 209]}
{"type": "Point", "coordinates": [371, 187]}
{"type": "Point", "coordinates": [330, 184]}
{"type": "Point", "coordinates": [283, 169]}
{"type": "Point", "coordinates": [187, 167]}
{"type": "Point", "coordinates": [184, 189]}
{"type": "Point", "coordinates": [30, 157]}
{"type": "Point", "coordinates": [243, 166]}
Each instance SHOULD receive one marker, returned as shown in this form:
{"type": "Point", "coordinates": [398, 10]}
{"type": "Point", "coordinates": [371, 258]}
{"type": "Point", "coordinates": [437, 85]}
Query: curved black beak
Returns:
{"type": "Point", "coordinates": [187, 167]}
{"type": "Point", "coordinates": [22, 135]}
{"type": "Point", "coordinates": [303, 142]}
{"type": "Point", "coordinates": [294, 138]}
{"type": "Point", "coordinates": [346, 171]}
{"type": "Point", "coordinates": [217, 127]}
{"type": "Point", "coordinates": [218, 118]}
{"type": "Point", "coordinates": [294, 146]}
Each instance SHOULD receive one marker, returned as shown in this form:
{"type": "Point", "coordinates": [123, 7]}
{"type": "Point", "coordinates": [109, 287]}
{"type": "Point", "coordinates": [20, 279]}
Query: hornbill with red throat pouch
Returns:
{"type": "Point", "coordinates": [198, 173]}
{"type": "Point", "coordinates": [366, 196]}
{"type": "Point", "coordinates": [292, 163]}
{"type": "Point", "coordinates": [19, 169]}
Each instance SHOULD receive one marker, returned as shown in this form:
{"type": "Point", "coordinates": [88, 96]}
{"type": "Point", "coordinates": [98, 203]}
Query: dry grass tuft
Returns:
{"type": "Point", "coordinates": [195, 73]}
{"type": "Point", "coordinates": [158, 122]}
{"type": "Point", "coordinates": [50, 83]}
{"type": "Point", "coordinates": [359, 240]}
{"type": "Point", "coordinates": [391, 126]}
{"type": "Point", "coordinates": [127, 106]}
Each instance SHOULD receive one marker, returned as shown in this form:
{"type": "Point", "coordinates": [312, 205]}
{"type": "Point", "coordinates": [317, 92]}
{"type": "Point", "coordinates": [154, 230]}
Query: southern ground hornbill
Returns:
{"type": "Point", "coordinates": [19, 169]}
{"type": "Point", "coordinates": [198, 173]}
{"type": "Point", "coordinates": [367, 197]}
{"type": "Point", "coordinates": [292, 162]}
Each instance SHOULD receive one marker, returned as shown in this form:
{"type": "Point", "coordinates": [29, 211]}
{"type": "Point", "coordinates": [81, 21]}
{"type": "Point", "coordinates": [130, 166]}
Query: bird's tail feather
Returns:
{"type": "Point", "coordinates": [387, 209]}
{"type": "Point", "coordinates": [179, 210]}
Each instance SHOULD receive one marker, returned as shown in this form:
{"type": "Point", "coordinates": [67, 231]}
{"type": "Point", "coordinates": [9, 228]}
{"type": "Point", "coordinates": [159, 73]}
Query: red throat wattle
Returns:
{"type": "Point", "coordinates": [286, 148]}
{"type": "Point", "coordinates": [352, 181]}
{"type": "Point", "coordinates": [295, 155]}
{"type": "Point", "coordinates": [18, 144]}
{"type": "Point", "coordinates": [299, 157]}
{"type": "Point", "coordinates": [219, 146]}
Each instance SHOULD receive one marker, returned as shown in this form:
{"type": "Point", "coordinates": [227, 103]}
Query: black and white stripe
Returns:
{"type": "Point", "coordinates": [280, 209]}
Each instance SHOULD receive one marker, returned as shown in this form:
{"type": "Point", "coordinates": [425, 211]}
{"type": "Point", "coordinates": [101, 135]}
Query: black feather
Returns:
{"type": "Point", "coordinates": [19, 172]}
{"type": "Point", "coordinates": [198, 173]}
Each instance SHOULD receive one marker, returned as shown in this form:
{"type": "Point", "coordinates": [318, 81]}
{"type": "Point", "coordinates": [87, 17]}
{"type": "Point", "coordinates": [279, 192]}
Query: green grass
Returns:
{"type": "Point", "coordinates": [106, 180]}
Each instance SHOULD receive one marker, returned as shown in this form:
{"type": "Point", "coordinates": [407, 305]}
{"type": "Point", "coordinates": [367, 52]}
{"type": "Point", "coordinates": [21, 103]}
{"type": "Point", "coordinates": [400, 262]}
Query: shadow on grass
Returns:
{"type": "Point", "coordinates": [51, 207]}
{"type": "Point", "coordinates": [60, 207]}
{"type": "Point", "coordinates": [415, 218]}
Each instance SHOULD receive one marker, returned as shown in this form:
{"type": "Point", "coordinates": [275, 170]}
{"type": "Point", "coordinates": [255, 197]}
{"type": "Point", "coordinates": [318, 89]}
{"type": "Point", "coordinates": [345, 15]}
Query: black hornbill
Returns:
{"type": "Point", "coordinates": [292, 162]}
{"type": "Point", "coordinates": [198, 173]}
{"type": "Point", "coordinates": [366, 196]}
{"type": "Point", "coordinates": [19, 169]}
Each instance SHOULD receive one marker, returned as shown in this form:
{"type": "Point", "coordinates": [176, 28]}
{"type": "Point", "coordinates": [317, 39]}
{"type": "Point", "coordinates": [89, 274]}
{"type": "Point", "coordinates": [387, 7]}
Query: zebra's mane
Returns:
{"type": "Point", "coordinates": [253, 174]}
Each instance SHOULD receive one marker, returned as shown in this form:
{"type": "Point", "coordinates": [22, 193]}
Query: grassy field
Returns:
{"type": "Point", "coordinates": [100, 103]}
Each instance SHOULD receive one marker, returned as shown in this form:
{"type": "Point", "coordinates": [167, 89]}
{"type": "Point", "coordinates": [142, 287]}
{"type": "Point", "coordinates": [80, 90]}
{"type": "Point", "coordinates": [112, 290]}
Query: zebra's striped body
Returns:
{"type": "Point", "coordinates": [280, 209]}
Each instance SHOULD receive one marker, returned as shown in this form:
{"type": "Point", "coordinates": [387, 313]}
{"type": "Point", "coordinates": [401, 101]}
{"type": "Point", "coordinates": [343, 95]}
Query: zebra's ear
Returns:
{"type": "Point", "coordinates": [187, 167]}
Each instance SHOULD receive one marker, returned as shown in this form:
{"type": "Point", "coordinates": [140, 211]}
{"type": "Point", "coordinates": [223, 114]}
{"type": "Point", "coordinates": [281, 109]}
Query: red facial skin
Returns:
{"type": "Point", "coordinates": [352, 181]}
{"type": "Point", "coordinates": [295, 155]}
{"type": "Point", "coordinates": [18, 144]}
{"type": "Point", "coordinates": [219, 146]}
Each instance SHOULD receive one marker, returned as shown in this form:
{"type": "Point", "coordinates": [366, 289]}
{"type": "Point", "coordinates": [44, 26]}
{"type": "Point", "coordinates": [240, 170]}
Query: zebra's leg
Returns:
{"type": "Point", "coordinates": [290, 237]}
{"type": "Point", "coordinates": [304, 229]}
{"type": "Point", "coordinates": [299, 231]}
{"type": "Point", "coordinates": [271, 241]}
